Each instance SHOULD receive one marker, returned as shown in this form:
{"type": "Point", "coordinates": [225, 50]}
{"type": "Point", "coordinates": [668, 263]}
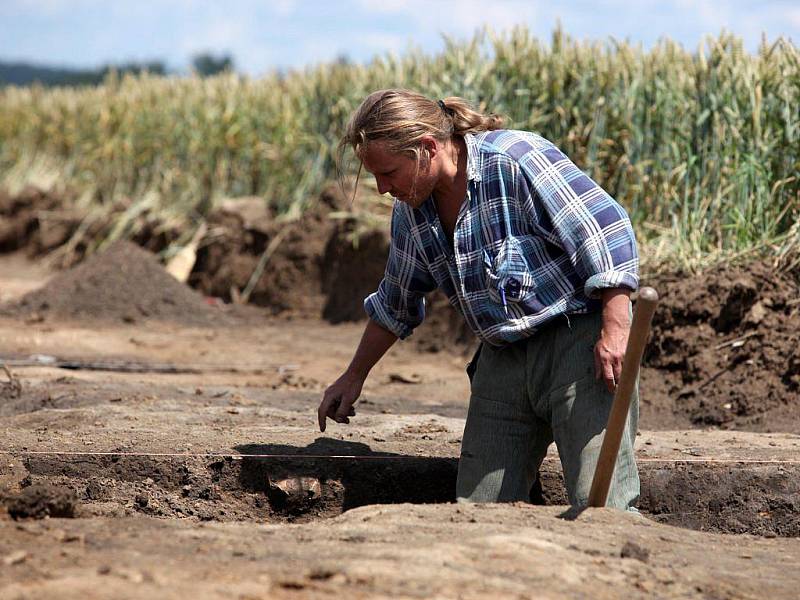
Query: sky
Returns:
{"type": "Point", "coordinates": [284, 34]}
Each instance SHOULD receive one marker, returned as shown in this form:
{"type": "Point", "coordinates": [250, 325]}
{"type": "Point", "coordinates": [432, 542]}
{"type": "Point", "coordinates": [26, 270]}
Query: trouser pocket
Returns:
{"type": "Point", "coordinates": [473, 364]}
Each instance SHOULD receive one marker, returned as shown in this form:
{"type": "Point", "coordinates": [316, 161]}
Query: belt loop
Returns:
{"type": "Point", "coordinates": [569, 325]}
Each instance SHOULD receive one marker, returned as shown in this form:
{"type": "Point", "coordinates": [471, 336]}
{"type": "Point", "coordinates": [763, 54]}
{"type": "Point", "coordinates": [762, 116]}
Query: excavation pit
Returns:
{"type": "Point", "coordinates": [756, 498]}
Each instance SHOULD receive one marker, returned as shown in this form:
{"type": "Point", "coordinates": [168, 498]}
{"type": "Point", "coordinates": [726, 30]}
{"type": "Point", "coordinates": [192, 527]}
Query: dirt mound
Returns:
{"type": "Point", "coordinates": [42, 500]}
{"type": "Point", "coordinates": [124, 283]}
{"type": "Point", "coordinates": [724, 346]}
{"type": "Point", "coordinates": [315, 265]}
{"type": "Point", "coordinates": [323, 264]}
{"type": "Point", "coordinates": [40, 222]}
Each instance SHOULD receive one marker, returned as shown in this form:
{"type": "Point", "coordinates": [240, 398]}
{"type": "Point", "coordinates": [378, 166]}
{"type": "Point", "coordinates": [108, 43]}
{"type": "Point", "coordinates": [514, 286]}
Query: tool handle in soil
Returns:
{"type": "Point", "coordinates": [642, 316]}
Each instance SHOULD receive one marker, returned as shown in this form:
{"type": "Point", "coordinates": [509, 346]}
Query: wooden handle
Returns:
{"type": "Point", "coordinates": [642, 316]}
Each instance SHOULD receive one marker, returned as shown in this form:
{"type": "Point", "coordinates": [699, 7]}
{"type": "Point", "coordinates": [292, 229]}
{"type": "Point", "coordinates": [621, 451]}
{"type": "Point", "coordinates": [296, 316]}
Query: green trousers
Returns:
{"type": "Point", "coordinates": [533, 392]}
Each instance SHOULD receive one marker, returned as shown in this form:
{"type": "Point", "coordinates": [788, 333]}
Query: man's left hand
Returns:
{"type": "Point", "coordinates": [610, 348]}
{"type": "Point", "coordinates": [608, 354]}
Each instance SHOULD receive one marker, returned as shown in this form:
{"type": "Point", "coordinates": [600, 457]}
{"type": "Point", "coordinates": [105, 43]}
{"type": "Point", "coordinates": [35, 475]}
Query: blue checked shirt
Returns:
{"type": "Point", "coordinates": [534, 239]}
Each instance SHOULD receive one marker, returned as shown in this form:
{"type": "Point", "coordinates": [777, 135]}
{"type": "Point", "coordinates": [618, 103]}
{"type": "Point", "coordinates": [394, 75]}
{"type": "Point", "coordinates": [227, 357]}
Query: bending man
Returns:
{"type": "Point", "coordinates": [539, 260]}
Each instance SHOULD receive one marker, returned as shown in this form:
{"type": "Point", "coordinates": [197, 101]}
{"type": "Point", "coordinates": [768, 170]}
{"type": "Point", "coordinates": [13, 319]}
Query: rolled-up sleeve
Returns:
{"type": "Point", "coordinates": [399, 303]}
{"type": "Point", "coordinates": [572, 211]}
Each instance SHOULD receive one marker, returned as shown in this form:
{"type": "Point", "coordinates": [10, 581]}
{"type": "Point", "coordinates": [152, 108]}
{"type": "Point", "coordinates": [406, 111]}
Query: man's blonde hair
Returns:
{"type": "Point", "coordinates": [401, 118]}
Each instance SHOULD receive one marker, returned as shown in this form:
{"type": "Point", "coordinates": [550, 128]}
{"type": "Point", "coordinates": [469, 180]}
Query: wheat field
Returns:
{"type": "Point", "coordinates": [702, 146]}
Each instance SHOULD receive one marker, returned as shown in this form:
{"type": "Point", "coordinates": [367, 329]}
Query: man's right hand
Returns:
{"type": "Point", "coordinates": [338, 400]}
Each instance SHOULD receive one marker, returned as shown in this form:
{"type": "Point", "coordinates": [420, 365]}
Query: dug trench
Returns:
{"type": "Point", "coordinates": [280, 483]}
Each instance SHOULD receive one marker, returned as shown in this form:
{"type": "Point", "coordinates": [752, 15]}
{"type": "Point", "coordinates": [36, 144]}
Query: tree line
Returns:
{"type": "Point", "coordinates": [24, 73]}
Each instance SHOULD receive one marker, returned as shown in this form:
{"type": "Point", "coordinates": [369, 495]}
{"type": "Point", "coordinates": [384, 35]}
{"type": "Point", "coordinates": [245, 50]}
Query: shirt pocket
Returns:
{"type": "Point", "coordinates": [509, 277]}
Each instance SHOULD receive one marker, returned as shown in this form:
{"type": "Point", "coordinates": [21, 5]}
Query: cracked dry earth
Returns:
{"type": "Point", "coordinates": [211, 480]}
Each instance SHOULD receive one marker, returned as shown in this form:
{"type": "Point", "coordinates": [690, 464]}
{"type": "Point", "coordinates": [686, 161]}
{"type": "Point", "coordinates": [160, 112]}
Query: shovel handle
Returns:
{"type": "Point", "coordinates": [640, 327]}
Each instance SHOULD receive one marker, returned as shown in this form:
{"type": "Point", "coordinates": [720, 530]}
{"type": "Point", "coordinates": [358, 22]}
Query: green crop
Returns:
{"type": "Point", "coordinates": [702, 147]}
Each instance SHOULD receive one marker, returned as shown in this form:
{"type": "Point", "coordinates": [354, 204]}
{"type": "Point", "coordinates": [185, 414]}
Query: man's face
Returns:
{"type": "Point", "coordinates": [398, 175]}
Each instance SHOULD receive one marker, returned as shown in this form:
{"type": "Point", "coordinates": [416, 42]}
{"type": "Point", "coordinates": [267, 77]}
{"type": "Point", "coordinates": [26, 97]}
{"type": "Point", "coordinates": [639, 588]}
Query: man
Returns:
{"type": "Point", "coordinates": [539, 260]}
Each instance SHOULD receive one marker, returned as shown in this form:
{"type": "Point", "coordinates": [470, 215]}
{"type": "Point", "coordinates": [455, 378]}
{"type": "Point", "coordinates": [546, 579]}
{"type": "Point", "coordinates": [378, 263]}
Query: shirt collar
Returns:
{"type": "Point", "coordinates": [473, 158]}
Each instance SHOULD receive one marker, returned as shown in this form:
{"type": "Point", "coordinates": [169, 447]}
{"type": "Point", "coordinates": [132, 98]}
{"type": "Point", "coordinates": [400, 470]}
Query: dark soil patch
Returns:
{"type": "Point", "coordinates": [760, 499]}
{"type": "Point", "coordinates": [122, 284]}
{"type": "Point", "coordinates": [40, 501]}
{"type": "Point", "coordinates": [353, 265]}
{"type": "Point", "coordinates": [757, 499]}
{"type": "Point", "coordinates": [35, 220]}
{"type": "Point", "coordinates": [444, 328]}
{"type": "Point", "coordinates": [242, 232]}
{"type": "Point", "coordinates": [321, 265]}
{"type": "Point", "coordinates": [724, 350]}
{"type": "Point", "coordinates": [41, 221]}
{"type": "Point", "coordinates": [243, 488]}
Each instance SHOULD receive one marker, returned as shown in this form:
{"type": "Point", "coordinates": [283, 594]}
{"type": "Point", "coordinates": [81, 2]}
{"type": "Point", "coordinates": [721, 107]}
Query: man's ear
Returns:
{"type": "Point", "coordinates": [429, 147]}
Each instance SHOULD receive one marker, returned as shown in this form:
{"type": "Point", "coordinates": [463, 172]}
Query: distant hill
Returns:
{"type": "Point", "coordinates": [21, 73]}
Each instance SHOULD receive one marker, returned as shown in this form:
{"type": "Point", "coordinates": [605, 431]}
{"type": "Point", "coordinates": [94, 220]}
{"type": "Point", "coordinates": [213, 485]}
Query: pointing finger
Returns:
{"type": "Point", "coordinates": [326, 409]}
{"type": "Point", "coordinates": [321, 415]}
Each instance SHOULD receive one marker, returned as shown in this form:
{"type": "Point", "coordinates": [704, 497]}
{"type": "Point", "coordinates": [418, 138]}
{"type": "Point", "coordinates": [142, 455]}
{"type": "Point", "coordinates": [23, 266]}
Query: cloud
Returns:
{"type": "Point", "coordinates": [793, 17]}
{"type": "Point", "coordinates": [379, 42]}
{"type": "Point", "coordinates": [458, 17]}
{"type": "Point", "coordinates": [283, 8]}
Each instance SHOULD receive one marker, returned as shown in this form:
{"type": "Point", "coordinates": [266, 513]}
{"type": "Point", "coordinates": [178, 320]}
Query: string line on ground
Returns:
{"type": "Point", "coordinates": [359, 457]}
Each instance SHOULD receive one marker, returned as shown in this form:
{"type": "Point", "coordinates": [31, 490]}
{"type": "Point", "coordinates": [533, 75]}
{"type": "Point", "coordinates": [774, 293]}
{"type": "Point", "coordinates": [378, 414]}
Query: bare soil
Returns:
{"type": "Point", "coordinates": [301, 259]}
{"type": "Point", "coordinates": [398, 551]}
{"type": "Point", "coordinates": [176, 453]}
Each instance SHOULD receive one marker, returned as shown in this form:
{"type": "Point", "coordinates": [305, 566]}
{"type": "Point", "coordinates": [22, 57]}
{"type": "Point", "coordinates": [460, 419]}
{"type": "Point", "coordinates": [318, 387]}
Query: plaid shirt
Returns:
{"type": "Point", "coordinates": [534, 239]}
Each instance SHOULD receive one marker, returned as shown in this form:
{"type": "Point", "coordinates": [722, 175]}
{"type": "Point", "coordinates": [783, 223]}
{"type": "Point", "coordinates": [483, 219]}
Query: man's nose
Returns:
{"type": "Point", "coordinates": [383, 185]}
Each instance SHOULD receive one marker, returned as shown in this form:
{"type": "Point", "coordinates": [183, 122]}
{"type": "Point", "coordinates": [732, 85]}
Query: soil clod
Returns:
{"type": "Point", "coordinates": [633, 550]}
{"type": "Point", "coordinates": [723, 351]}
{"type": "Point", "coordinates": [42, 500]}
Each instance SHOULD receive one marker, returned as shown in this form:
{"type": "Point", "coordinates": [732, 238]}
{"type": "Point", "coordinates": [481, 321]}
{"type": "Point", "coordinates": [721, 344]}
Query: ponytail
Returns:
{"type": "Point", "coordinates": [466, 119]}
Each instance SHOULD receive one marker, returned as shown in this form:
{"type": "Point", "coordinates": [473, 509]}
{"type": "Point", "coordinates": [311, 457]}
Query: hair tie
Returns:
{"type": "Point", "coordinates": [445, 110]}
